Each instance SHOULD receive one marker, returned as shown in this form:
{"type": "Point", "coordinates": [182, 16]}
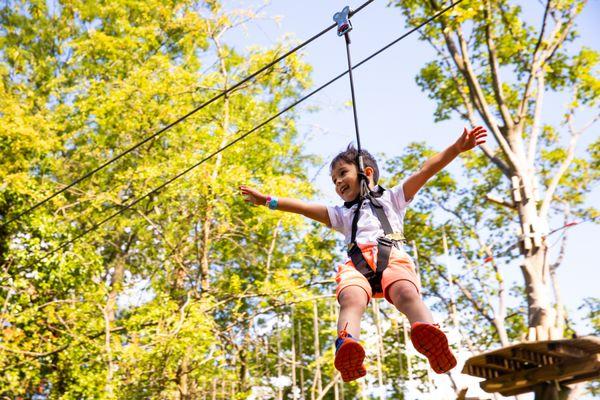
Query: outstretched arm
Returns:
{"type": "Point", "coordinates": [467, 141]}
{"type": "Point", "coordinates": [317, 212]}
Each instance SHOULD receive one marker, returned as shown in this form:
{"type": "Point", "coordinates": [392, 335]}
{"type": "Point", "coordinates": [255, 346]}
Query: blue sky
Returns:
{"type": "Point", "coordinates": [392, 109]}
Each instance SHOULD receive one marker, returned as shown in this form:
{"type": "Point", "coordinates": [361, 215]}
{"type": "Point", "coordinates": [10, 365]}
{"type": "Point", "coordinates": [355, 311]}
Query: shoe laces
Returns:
{"type": "Point", "coordinates": [344, 333]}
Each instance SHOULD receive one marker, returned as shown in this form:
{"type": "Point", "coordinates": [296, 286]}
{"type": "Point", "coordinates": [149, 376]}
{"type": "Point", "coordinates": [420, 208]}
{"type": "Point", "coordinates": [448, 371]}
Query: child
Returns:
{"type": "Point", "coordinates": [378, 265]}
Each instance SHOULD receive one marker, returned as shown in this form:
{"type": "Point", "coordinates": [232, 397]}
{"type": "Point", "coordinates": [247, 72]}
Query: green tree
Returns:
{"type": "Point", "coordinates": [161, 301]}
{"type": "Point", "coordinates": [494, 66]}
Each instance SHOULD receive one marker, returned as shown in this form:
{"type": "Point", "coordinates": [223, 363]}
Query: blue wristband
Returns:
{"type": "Point", "coordinates": [273, 203]}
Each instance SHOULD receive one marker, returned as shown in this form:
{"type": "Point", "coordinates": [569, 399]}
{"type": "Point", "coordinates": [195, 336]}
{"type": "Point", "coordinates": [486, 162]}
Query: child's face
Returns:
{"type": "Point", "coordinates": [345, 179]}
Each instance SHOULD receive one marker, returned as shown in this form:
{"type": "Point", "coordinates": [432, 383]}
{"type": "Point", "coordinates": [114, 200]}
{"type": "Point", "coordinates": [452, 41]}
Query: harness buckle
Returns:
{"type": "Point", "coordinates": [386, 241]}
{"type": "Point", "coordinates": [343, 22]}
{"type": "Point", "coordinates": [396, 236]}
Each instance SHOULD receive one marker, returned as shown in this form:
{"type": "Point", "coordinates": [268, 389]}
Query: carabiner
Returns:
{"type": "Point", "coordinates": [343, 22]}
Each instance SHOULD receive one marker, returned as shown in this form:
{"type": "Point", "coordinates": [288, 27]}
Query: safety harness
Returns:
{"type": "Point", "coordinates": [390, 239]}
{"type": "Point", "coordinates": [384, 243]}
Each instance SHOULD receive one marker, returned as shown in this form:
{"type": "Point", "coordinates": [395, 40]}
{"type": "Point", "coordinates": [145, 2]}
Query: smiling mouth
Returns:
{"type": "Point", "coordinates": [344, 189]}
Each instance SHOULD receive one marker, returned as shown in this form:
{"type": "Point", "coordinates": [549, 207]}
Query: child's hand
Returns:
{"type": "Point", "coordinates": [253, 196]}
{"type": "Point", "coordinates": [470, 139]}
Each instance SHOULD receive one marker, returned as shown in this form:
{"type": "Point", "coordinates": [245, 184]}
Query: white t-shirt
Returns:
{"type": "Point", "coordinates": [368, 227]}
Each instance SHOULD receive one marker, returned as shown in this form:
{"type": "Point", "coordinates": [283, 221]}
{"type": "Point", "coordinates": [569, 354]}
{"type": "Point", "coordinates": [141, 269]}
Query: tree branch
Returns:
{"type": "Point", "coordinates": [559, 174]}
{"type": "Point", "coordinates": [499, 201]}
{"type": "Point", "coordinates": [537, 116]}
{"type": "Point", "coordinates": [506, 170]}
{"type": "Point", "coordinates": [541, 57]}
{"type": "Point", "coordinates": [495, 69]}
{"type": "Point", "coordinates": [463, 63]}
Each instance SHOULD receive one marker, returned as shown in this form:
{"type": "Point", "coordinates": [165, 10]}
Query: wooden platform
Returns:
{"type": "Point", "coordinates": [519, 368]}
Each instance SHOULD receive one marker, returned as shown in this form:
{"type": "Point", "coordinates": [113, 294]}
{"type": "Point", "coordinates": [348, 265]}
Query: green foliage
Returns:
{"type": "Point", "coordinates": [193, 291]}
{"type": "Point", "coordinates": [162, 300]}
{"type": "Point", "coordinates": [592, 307]}
{"type": "Point", "coordinates": [489, 59]}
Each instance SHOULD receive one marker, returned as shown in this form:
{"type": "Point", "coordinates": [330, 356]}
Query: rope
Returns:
{"type": "Point", "coordinates": [243, 136]}
{"type": "Point", "coordinates": [180, 119]}
{"type": "Point", "coordinates": [347, 39]}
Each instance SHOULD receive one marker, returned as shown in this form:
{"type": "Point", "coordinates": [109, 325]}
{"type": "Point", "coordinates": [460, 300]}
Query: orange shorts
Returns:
{"type": "Point", "coordinates": [400, 268]}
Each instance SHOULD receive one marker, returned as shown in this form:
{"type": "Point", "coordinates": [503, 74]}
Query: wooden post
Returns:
{"type": "Point", "coordinates": [293, 335]}
{"type": "Point", "coordinates": [551, 391]}
{"type": "Point", "coordinates": [340, 383]}
{"type": "Point", "coordinates": [396, 327]}
{"type": "Point", "coordinates": [336, 393]}
{"type": "Point", "coordinates": [379, 347]}
{"type": "Point", "coordinates": [409, 370]}
{"type": "Point", "coordinates": [317, 383]}
{"type": "Point", "coordinates": [300, 357]}
{"type": "Point", "coordinates": [279, 362]}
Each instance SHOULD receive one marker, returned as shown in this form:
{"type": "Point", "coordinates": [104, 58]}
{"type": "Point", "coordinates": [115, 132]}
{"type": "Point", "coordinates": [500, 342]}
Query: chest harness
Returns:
{"type": "Point", "coordinates": [384, 243]}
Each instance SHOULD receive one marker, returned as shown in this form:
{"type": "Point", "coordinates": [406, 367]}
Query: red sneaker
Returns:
{"type": "Point", "coordinates": [430, 341]}
{"type": "Point", "coordinates": [349, 357]}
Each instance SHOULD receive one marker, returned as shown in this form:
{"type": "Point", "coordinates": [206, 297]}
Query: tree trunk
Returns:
{"type": "Point", "coordinates": [541, 313]}
{"type": "Point", "coordinates": [208, 216]}
{"type": "Point", "coordinates": [551, 391]}
{"type": "Point", "coordinates": [542, 319]}
{"type": "Point", "coordinates": [182, 377]}
{"type": "Point", "coordinates": [116, 284]}
{"type": "Point", "coordinates": [518, 163]}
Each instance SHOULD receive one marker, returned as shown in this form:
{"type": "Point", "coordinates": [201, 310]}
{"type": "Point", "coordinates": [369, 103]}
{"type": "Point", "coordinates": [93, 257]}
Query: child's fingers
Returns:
{"type": "Point", "coordinates": [477, 131]}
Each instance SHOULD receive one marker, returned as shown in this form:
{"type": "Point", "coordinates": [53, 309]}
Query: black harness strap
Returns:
{"type": "Point", "coordinates": [380, 213]}
{"type": "Point", "coordinates": [384, 244]}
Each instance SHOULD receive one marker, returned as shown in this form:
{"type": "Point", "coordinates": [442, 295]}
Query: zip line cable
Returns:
{"type": "Point", "coordinates": [265, 122]}
{"type": "Point", "coordinates": [180, 119]}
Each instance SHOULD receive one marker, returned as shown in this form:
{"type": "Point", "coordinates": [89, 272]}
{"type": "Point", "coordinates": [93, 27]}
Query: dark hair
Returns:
{"type": "Point", "coordinates": [350, 156]}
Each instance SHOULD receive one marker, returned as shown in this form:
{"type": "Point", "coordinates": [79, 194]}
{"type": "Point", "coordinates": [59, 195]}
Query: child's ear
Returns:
{"type": "Point", "coordinates": [370, 173]}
